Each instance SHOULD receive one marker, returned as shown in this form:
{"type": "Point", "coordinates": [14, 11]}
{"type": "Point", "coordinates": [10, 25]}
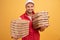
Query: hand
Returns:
{"type": "Point", "coordinates": [15, 39]}
{"type": "Point", "coordinates": [42, 29]}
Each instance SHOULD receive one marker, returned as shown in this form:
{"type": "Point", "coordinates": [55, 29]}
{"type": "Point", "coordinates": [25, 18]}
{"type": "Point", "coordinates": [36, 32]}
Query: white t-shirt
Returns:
{"type": "Point", "coordinates": [30, 18]}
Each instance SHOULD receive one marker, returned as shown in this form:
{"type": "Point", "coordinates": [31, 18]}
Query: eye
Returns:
{"type": "Point", "coordinates": [31, 6]}
{"type": "Point", "coordinates": [28, 6]}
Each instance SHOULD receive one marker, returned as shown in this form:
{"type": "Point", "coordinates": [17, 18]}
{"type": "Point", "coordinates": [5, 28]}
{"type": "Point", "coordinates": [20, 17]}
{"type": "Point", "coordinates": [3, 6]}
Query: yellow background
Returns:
{"type": "Point", "coordinates": [12, 9]}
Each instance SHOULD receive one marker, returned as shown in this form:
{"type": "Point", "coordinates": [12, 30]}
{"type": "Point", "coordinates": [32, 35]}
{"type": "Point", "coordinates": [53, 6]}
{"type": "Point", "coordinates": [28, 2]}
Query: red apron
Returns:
{"type": "Point", "coordinates": [33, 34]}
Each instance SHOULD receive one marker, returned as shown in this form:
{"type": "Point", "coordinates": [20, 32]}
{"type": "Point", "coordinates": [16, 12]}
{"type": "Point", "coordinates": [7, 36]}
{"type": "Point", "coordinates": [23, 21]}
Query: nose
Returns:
{"type": "Point", "coordinates": [30, 7]}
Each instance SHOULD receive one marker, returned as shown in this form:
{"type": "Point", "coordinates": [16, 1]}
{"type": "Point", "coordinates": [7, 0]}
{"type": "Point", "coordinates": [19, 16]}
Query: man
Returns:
{"type": "Point", "coordinates": [33, 34]}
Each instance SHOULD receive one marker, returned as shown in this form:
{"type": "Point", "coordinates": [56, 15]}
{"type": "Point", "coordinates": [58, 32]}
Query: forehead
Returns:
{"type": "Point", "coordinates": [30, 3]}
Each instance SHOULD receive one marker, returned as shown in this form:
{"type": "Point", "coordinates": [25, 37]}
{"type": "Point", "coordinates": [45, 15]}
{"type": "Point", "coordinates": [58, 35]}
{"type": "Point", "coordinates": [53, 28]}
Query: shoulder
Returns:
{"type": "Point", "coordinates": [22, 16]}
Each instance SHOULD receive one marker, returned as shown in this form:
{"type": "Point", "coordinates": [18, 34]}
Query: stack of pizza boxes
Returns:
{"type": "Point", "coordinates": [40, 20]}
{"type": "Point", "coordinates": [19, 28]}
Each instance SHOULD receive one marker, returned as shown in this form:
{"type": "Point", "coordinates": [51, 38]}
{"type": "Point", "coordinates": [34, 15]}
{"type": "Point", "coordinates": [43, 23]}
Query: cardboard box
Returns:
{"type": "Point", "coordinates": [40, 20]}
{"type": "Point", "coordinates": [19, 28]}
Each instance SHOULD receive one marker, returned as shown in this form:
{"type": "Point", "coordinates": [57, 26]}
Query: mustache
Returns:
{"type": "Point", "coordinates": [30, 9]}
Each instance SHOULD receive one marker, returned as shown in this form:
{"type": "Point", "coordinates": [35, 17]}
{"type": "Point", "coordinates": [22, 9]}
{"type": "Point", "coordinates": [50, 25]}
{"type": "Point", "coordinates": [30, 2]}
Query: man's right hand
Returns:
{"type": "Point", "coordinates": [15, 39]}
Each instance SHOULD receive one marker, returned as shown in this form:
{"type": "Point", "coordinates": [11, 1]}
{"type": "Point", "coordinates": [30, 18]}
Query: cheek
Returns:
{"type": "Point", "coordinates": [27, 8]}
{"type": "Point", "coordinates": [32, 8]}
